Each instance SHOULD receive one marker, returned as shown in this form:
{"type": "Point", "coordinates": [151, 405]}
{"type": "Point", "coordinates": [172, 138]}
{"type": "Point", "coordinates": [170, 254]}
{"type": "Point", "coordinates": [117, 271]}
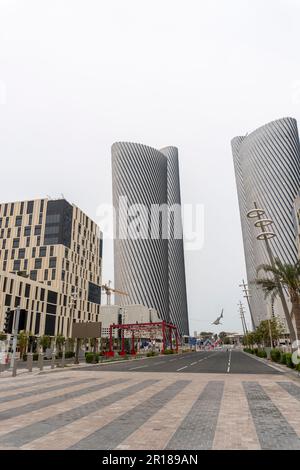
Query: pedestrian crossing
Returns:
{"type": "Point", "coordinates": [115, 410]}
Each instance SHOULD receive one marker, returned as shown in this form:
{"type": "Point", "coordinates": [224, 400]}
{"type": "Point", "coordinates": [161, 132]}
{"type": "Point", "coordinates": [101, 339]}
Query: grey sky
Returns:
{"type": "Point", "coordinates": [77, 75]}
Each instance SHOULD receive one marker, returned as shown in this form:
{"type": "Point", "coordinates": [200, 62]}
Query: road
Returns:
{"type": "Point", "coordinates": [209, 362]}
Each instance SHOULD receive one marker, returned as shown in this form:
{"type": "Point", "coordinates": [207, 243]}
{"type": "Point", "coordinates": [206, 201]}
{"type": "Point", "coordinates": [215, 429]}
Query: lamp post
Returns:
{"type": "Point", "coordinates": [72, 308]}
{"type": "Point", "coordinates": [265, 235]}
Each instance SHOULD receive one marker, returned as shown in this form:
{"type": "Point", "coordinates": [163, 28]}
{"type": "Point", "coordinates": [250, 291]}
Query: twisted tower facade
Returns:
{"type": "Point", "coordinates": [267, 170]}
{"type": "Point", "coordinates": [150, 269]}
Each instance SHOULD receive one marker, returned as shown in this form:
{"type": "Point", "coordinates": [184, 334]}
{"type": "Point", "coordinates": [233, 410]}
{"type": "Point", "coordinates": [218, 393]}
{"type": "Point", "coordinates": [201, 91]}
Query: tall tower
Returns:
{"type": "Point", "coordinates": [177, 281]}
{"type": "Point", "coordinates": [267, 170]}
{"type": "Point", "coordinates": [145, 266]}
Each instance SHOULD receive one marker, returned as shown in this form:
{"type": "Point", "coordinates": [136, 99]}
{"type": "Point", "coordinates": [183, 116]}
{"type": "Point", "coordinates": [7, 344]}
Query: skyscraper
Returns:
{"type": "Point", "coordinates": [267, 170]}
{"type": "Point", "coordinates": [149, 268]}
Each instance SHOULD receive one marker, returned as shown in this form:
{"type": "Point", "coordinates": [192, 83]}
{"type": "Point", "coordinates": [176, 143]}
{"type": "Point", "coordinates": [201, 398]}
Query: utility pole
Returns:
{"type": "Point", "coordinates": [247, 296]}
{"type": "Point", "coordinates": [242, 314]}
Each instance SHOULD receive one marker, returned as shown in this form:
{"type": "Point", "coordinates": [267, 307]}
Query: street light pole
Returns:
{"type": "Point", "coordinates": [15, 330]}
{"type": "Point", "coordinates": [266, 235]}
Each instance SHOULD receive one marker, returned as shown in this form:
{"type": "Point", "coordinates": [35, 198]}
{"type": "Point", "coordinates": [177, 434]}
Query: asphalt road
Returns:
{"type": "Point", "coordinates": [221, 361]}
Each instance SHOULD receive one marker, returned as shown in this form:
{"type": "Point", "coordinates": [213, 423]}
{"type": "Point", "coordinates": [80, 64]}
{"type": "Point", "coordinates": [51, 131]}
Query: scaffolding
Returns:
{"type": "Point", "coordinates": [167, 331]}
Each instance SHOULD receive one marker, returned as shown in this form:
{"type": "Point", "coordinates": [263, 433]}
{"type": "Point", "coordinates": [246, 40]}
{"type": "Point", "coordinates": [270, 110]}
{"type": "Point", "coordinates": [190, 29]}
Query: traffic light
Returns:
{"type": "Point", "coordinates": [7, 321]}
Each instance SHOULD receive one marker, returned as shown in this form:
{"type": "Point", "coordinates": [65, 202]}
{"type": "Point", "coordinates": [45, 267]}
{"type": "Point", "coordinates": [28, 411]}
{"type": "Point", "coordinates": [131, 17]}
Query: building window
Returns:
{"type": "Point", "coordinates": [18, 221]}
{"type": "Point", "coordinates": [33, 252]}
{"type": "Point", "coordinates": [51, 250]}
{"type": "Point", "coordinates": [30, 206]}
{"type": "Point", "coordinates": [33, 275]}
{"type": "Point", "coordinates": [43, 251]}
{"type": "Point", "coordinates": [27, 231]}
{"type": "Point", "coordinates": [16, 242]}
{"type": "Point", "coordinates": [27, 290]}
{"type": "Point", "coordinates": [17, 265]}
{"type": "Point", "coordinates": [7, 300]}
{"type": "Point", "coordinates": [52, 263]}
{"type": "Point", "coordinates": [37, 263]}
{"type": "Point", "coordinates": [53, 275]}
{"type": "Point", "coordinates": [27, 242]}
{"type": "Point", "coordinates": [46, 275]}
{"type": "Point", "coordinates": [37, 230]}
{"type": "Point", "coordinates": [25, 264]}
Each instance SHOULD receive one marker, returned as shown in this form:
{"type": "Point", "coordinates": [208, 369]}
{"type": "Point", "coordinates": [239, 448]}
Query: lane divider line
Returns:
{"type": "Point", "coordinates": [135, 368]}
{"type": "Point", "coordinates": [229, 363]}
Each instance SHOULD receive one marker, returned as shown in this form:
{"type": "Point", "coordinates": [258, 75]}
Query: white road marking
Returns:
{"type": "Point", "coordinates": [229, 363]}
{"type": "Point", "coordinates": [181, 368]}
{"type": "Point", "coordinates": [193, 363]}
{"type": "Point", "coordinates": [140, 367]}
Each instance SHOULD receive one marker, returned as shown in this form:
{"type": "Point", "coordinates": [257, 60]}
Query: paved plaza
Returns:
{"type": "Point", "coordinates": [95, 408]}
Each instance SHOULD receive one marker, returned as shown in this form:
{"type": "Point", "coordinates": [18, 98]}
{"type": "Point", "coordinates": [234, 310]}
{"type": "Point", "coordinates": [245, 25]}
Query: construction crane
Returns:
{"type": "Point", "coordinates": [109, 290]}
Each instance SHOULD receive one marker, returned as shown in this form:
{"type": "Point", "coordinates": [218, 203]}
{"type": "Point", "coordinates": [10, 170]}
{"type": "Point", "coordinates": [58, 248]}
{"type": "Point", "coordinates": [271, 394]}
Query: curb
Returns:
{"type": "Point", "coordinates": [72, 366]}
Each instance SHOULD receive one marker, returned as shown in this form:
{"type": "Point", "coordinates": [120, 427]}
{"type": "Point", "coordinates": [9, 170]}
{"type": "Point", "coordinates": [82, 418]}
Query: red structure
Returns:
{"type": "Point", "coordinates": [167, 331]}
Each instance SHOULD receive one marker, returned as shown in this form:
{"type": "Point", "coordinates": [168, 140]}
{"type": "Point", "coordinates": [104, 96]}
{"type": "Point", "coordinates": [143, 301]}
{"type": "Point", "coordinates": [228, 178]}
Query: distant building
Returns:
{"type": "Point", "coordinates": [128, 314]}
{"type": "Point", "coordinates": [50, 264]}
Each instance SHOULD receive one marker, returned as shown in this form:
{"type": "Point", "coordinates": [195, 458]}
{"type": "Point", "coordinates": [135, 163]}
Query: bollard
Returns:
{"type": "Point", "coordinates": [29, 361]}
{"type": "Point", "coordinates": [53, 361]}
{"type": "Point", "coordinates": [41, 361]}
{"type": "Point", "coordinates": [63, 359]}
{"type": "Point", "coordinates": [14, 370]}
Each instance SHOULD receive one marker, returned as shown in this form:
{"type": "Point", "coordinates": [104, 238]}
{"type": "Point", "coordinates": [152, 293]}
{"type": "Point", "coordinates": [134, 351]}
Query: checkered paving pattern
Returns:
{"type": "Point", "coordinates": [117, 410]}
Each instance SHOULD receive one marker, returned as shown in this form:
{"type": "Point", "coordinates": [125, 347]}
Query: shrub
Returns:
{"type": "Point", "coordinates": [91, 357]}
{"type": "Point", "coordinates": [168, 351]}
{"type": "Point", "coordinates": [283, 358]}
{"type": "Point", "coordinates": [289, 362]}
{"type": "Point", "coordinates": [248, 350]}
{"type": "Point", "coordinates": [151, 353]}
{"type": "Point", "coordinates": [69, 354]}
{"type": "Point", "coordinates": [275, 355]}
{"type": "Point", "coordinates": [262, 353]}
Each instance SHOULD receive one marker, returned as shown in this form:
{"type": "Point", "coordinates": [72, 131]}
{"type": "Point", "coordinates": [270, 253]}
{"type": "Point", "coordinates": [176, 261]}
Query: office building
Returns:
{"type": "Point", "coordinates": [50, 264]}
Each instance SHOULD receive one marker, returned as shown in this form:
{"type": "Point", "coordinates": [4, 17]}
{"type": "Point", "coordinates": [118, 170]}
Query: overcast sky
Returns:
{"type": "Point", "coordinates": [77, 75]}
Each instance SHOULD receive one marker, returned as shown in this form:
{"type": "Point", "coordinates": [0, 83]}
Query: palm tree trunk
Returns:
{"type": "Point", "coordinates": [296, 316]}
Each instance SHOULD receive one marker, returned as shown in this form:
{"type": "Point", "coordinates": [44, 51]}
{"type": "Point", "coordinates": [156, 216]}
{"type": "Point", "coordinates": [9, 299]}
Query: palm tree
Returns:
{"type": "Point", "coordinates": [287, 276]}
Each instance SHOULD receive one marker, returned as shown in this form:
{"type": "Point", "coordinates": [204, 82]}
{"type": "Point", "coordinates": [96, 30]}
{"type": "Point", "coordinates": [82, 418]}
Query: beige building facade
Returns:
{"type": "Point", "coordinates": [51, 246]}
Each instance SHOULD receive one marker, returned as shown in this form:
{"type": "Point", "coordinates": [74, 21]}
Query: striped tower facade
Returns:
{"type": "Point", "coordinates": [267, 169]}
{"type": "Point", "coordinates": [177, 282]}
{"type": "Point", "coordinates": [145, 267]}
